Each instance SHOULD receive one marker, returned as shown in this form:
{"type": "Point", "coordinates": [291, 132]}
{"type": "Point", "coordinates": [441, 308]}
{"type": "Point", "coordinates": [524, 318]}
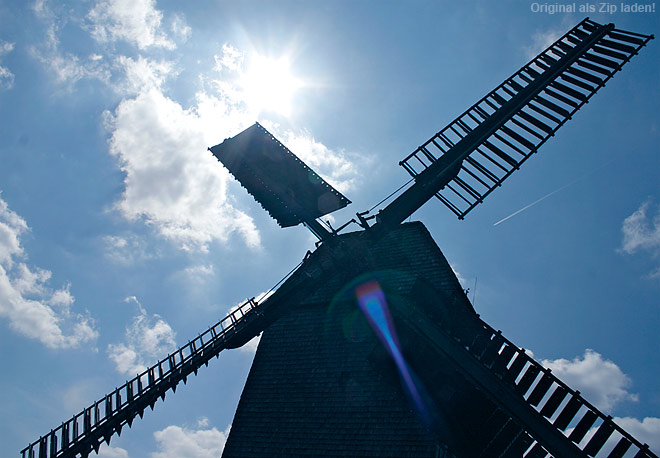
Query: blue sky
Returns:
{"type": "Point", "coordinates": [122, 237]}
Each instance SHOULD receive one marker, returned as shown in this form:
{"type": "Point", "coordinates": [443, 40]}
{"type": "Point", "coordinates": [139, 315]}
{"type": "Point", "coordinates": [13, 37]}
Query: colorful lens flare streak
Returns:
{"type": "Point", "coordinates": [372, 302]}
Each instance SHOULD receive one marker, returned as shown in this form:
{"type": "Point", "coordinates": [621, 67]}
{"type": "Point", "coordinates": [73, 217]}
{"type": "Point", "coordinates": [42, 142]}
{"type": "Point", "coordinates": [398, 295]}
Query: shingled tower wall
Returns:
{"type": "Point", "coordinates": [321, 383]}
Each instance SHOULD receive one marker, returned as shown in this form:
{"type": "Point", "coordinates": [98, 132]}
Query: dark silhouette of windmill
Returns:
{"type": "Point", "coordinates": [370, 346]}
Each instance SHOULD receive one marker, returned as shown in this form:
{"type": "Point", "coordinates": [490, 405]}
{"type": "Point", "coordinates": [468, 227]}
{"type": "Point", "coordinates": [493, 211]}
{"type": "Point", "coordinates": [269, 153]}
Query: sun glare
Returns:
{"type": "Point", "coordinates": [269, 84]}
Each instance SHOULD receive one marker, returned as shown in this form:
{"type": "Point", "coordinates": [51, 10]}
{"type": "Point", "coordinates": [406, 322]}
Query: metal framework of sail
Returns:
{"type": "Point", "coordinates": [84, 433]}
{"type": "Point", "coordinates": [493, 137]}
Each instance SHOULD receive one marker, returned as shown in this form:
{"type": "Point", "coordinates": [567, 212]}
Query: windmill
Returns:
{"type": "Point", "coordinates": [473, 392]}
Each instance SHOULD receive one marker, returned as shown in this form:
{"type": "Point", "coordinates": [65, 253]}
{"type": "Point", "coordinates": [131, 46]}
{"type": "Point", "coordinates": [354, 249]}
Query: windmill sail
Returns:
{"type": "Point", "coordinates": [476, 152]}
{"type": "Point", "coordinates": [85, 432]}
{"type": "Point", "coordinates": [532, 412]}
{"type": "Point", "coordinates": [283, 184]}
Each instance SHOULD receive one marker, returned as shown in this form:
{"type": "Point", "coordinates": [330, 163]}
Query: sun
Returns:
{"type": "Point", "coordinates": [269, 85]}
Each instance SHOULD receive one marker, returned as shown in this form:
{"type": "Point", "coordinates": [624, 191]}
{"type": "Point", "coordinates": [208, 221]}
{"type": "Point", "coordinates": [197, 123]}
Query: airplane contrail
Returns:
{"type": "Point", "coordinates": [580, 178]}
{"type": "Point", "coordinates": [534, 203]}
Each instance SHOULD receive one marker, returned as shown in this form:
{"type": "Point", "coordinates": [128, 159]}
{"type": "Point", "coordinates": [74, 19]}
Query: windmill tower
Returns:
{"type": "Point", "coordinates": [370, 347]}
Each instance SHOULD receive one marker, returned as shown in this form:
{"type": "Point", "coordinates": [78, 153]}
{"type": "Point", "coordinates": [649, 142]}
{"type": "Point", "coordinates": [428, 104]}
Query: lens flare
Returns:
{"type": "Point", "coordinates": [372, 302]}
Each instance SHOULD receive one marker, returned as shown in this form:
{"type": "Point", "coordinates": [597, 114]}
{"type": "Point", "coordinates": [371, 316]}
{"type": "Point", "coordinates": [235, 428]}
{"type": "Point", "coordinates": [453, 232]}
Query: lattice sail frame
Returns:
{"type": "Point", "coordinates": [84, 433]}
{"type": "Point", "coordinates": [496, 157]}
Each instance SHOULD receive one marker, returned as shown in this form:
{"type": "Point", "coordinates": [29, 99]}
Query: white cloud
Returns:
{"type": "Point", "coordinates": [199, 273]}
{"type": "Point", "coordinates": [641, 232]}
{"type": "Point", "coordinates": [171, 181]}
{"type": "Point", "coordinates": [231, 59]}
{"type": "Point", "coordinates": [6, 76]}
{"type": "Point", "coordinates": [41, 9]}
{"type": "Point", "coordinates": [646, 431]}
{"type": "Point", "coordinates": [33, 308]}
{"type": "Point", "coordinates": [148, 339]}
{"type": "Point", "coordinates": [175, 442]}
{"type": "Point", "coordinates": [600, 381]}
{"type": "Point", "coordinates": [126, 249]}
{"type": "Point", "coordinates": [179, 27]}
{"type": "Point", "coordinates": [541, 40]}
{"type": "Point", "coordinates": [334, 166]}
{"type": "Point", "coordinates": [66, 67]}
{"type": "Point", "coordinates": [203, 422]}
{"type": "Point", "coordinates": [105, 451]}
{"type": "Point", "coordinates": [69, 68]}
{"type": "Point", "coordinates": [544, 38]}
{"type": "Point", "coordinates": [141, 74]}
{"type": "Point", "coordinates": [135, 21]}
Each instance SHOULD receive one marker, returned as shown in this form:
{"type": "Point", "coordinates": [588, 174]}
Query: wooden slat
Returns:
{"type": "Point", "coordinates": [573, 39]}
{"type": "Point", "coordinates": [492, 350]}
{"type": "Point", "coordinates": [514, 84]}
{"type": "Point", "coordinates": [620, 46]}
{"type": "Point", "coordinates": [601, 60]}
{"type": "Point", "coordinates": [584, 75]}
{"type": "Point", "coordinates": [466, 187]}
{"type": "Point", "coordinates": [510, 144]}
{"type": "Point", "coordinates": [519, 138]}
{"type": "Point", "coordinates": [540, 389]}
{"type": "Point", "coordinates": [497, 164]}
{"type": "Point", "coordinates": [548, 59]}
{"type": "Point", "coordinates": [474, 176]}
{"type": "Point", "coordinates": [516, 367]}
{"type": "Point", "coordinates": [527, 379]}
{"type": "Point", "coordinates": [600, 437]}
{"type": "Point", "coordinates": [477, 165]}
{"type": "Point", "coordinates": [543, 112]}
{"type": "Point", "coordinates": [564, 46]}
{"type": "Point", "coordinates": [552, 106]}
{"type": "Point", "coordinates": [540, 124]}
{"type": "Point", "coordinates": [526, 127]}
{"type": "Point", "coordinates": [569, 91]}
{"type": "Point", "coordinates": [578, 83]}
{"type": "Point", "coordinates": [628, 38]}
{"type": "Point", "coordinates": [568, 413]}
{"type": "Point", "coordinates": [556, 398]}
{"type": "Point", "coordinates": [609, 52]}
{"type": "Point", "coordinates": [503, 359]}
{"type": "Point", "coordinates": [643, 453]}
{"type": "Point", "coordinates": [561, 98]}
{"type": "Point", "coordinates": [533, 73]}
{"type": "Point", "coordinates": [594, 68]}
{"type": "Point", "coordinates": [620, 449]}
{"type": "Point", "coordinates": [583, 426]}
